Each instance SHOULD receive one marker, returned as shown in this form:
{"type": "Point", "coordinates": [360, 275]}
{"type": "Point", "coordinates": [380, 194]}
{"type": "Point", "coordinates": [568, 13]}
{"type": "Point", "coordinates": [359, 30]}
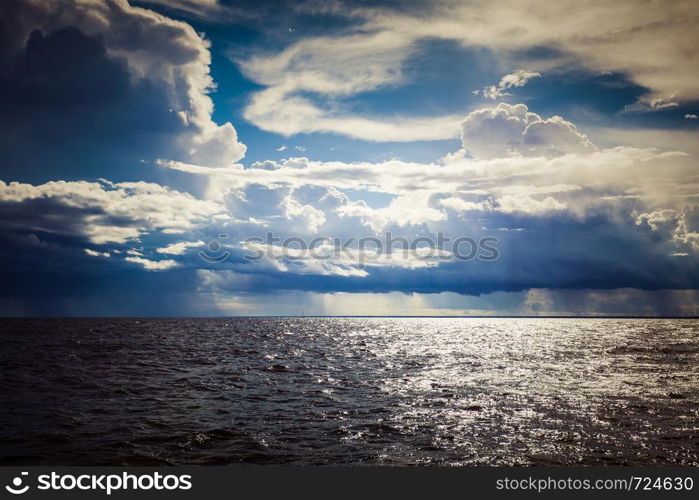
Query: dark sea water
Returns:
{"type": "Point", "coordinates": [350, 391]}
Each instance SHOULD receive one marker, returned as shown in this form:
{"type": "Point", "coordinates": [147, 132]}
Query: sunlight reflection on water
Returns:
{"type": "Point", "coordinates": [351, 390]}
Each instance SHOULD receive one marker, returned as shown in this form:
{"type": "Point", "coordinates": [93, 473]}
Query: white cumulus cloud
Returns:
{"type": "Point", "coordinates": [510, 130]}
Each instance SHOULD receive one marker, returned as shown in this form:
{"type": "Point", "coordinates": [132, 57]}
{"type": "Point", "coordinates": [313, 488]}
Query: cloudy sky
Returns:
{"type": "Point", "coordinates": [144, 142]}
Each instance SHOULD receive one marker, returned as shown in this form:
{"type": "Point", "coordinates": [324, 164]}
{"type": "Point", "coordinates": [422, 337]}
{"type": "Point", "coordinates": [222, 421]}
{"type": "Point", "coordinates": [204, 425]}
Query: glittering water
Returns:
{"type": "Point", "coordinates": [349, 391]}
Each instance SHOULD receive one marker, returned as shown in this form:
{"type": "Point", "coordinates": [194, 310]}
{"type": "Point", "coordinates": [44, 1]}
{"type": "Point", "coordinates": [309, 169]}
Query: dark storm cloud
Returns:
{"type": "Point", "coordinates": [558, 252]}
{"type": "Point", "coordinates": [49, 274]}
{"type": "Point", "coordinates": [72, 111]}
{"type": "Point", "coordinates": [102, 90]}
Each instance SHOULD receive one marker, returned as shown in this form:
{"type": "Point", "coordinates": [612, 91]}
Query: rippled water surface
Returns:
{"type": "Point", "coordinates": [349, 391]}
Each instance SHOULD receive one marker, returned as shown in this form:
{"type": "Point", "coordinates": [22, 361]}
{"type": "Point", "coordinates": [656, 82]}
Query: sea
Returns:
{"type": "Point", "coordinates": [349, 391]}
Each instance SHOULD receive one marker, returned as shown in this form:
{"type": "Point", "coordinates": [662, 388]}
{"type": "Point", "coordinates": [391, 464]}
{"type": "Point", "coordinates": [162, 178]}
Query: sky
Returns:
{"type": "Point", "coordinates": [172, 157]}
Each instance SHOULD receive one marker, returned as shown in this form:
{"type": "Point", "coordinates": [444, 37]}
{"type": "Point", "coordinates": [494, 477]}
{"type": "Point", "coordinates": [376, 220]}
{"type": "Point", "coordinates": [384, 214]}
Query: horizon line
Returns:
{"type": "Point", "coordinates": [280, 316]}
